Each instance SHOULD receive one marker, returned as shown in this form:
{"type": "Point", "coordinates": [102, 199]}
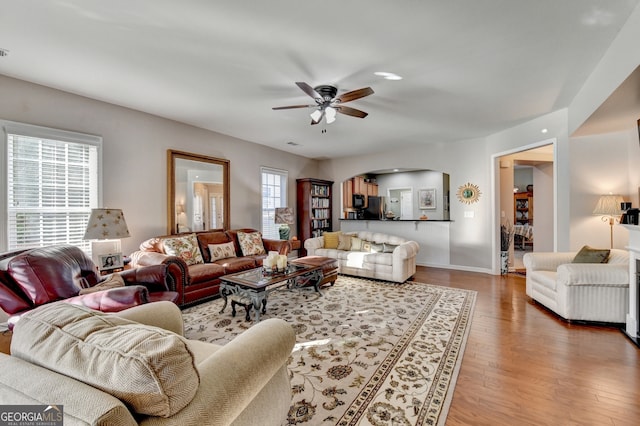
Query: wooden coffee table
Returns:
{"type": "Point", "coordinates": [251, 288]}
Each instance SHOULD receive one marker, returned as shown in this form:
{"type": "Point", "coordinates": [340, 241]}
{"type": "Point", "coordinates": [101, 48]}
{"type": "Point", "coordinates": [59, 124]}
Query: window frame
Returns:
{"type": "Point", "coordinates": [34, 131]}
{"type": "Point", "coordinates": [284, 198]}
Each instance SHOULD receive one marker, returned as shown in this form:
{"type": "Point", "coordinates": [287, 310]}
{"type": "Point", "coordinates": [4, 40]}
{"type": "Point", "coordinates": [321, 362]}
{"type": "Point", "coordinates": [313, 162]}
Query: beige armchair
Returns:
{"type": "Point", "coordinates": [244, 382]}
{"type": "Point", "coordinates": [580, 291]}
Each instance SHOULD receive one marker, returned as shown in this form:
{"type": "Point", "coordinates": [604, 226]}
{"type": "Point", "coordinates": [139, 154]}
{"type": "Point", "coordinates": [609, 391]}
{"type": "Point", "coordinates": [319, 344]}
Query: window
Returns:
{"type": "Point", "coordinates": [274, 194]}
{"type": "Point", "coordinates": [51, 186]}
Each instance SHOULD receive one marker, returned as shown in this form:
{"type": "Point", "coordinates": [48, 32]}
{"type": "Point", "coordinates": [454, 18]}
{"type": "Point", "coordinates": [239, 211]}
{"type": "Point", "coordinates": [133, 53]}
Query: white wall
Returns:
{"type": "Point", "coordinates": [542, 176]}
{"type": "Point", "coordinates": [599, 166]}
{"type": "Point", "coordinates": [135, 146]}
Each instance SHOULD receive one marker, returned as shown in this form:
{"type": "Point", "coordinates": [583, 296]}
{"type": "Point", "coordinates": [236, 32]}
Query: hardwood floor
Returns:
{"type": "Point", "coordinates": [524, 366]}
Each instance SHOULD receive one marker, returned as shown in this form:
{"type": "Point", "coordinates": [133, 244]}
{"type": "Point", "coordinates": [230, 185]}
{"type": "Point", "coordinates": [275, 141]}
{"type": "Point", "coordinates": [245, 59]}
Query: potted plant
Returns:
{"type": "Point", "coordinates": [506, 238]}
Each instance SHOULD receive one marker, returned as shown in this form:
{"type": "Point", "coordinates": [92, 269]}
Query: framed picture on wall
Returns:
{"type": "Point", "coordinates": [427, 199]}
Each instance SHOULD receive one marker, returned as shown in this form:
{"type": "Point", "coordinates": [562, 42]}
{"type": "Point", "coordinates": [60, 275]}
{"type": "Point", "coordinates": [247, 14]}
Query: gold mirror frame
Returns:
{"type": "Point", "coordinates": [468, 193]}
{"type": "Point", "coordinates": [177, 204]}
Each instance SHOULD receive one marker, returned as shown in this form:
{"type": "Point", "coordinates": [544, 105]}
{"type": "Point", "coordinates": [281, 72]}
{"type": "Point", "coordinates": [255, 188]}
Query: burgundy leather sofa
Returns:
{"type": "Point", "coordinates": [202, 281]}
{"type": "Point", "coordinates": [34, 277]}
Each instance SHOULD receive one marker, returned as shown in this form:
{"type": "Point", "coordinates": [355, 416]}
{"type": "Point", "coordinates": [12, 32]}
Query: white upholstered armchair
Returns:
{"type": "Point", "coordinates": [580, 291]}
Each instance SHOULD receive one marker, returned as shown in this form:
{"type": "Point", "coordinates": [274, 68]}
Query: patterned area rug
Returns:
{"type": "Point", "coordinates": [367, 352]}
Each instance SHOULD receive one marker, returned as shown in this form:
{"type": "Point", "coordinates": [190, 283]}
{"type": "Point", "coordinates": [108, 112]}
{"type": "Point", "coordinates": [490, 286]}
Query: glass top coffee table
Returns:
{"type": "Point", "coordinates": [251, 288]}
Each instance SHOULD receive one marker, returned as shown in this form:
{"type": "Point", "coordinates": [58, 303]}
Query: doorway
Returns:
{"type": "Point", "coordinates": [526, 200]}
{"type": "Point", "coordinates": [401, 202]}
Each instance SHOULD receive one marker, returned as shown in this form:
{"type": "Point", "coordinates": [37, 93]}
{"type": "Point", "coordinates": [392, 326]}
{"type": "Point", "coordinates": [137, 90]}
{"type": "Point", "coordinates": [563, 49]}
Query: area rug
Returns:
{"type": "Point", "coordinates": [367, 352]}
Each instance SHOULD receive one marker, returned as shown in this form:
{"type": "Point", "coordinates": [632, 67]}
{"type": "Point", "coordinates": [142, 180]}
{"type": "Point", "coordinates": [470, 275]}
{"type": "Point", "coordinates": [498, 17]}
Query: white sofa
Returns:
{"type": "Point", "coordinates": [580, 291]}
{"type": "Point", "coordinates": [397, 265]}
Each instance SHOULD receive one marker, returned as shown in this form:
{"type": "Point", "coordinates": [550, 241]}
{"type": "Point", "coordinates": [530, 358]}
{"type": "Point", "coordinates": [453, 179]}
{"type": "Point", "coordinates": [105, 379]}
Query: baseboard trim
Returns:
{"type": "Point", "coordinates": [457, 268]}
{"type": "Point", "coordinates": [634, 339]}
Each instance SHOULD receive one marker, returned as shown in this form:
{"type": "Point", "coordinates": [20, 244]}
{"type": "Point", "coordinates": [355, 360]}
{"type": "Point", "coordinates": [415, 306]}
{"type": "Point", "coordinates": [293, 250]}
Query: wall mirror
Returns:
{"type": "Point", "coordinates": [198, 192]}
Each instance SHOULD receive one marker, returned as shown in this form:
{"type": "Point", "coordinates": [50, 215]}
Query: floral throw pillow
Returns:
{"type": "Point", "coordinates": [185, 247]}
{"type": "Point", "coordinates": [222, 251]}
{"type": "Point", "coordinates": [250, 243]}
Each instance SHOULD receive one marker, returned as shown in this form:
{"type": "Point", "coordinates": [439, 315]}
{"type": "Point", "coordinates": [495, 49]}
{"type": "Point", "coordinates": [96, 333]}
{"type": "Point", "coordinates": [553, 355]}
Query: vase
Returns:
{"type": "Point", "coordinates": [504, 262]}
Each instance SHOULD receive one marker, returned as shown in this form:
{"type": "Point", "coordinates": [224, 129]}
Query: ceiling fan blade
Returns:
{"type": "Point", "coordinates": [295, 106]}
{"type": "Point", "coordinates": [354, 94]}
{"type": "Point", "coordinates": [309, 90]}
{"type": "Point", "coordinates": [351, 111]}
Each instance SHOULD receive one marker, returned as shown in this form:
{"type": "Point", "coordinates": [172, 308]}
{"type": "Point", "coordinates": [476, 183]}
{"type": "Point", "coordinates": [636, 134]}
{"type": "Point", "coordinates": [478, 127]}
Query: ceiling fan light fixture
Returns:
{"type": "Point", "coordinates": [330, 114]}
{"type": "Point", "coordinates": [316, 115]}
{"type": "Point", "coordinates": [328, 104]}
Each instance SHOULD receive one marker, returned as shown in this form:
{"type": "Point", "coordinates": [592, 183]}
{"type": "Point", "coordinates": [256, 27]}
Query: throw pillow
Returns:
{"type": "Point", "coordinates": [388, 248]}
{"type": "Point", "coordinates": [250, 243]}
{"type": "Point", "coordinates": [222, 251]}
{"type": "Point", "coordinates": [185, 247]}
{"type": "Point", "coordinates": [591, 255]}
{"type": "Point", "coordinates": [111, 281]}
{"type": "Point", "coordinates": [366, 246]}
{"type": "Point", "coordinates": [356, 244]}
{"type": "Point", "coordinates": [344, 242]}
{"type": "Point", "coordinates": [331, 239]}
{"type": "Point", "coordinates": [376, 248]}
{"type": "Point", "coordinates": [150, 369]}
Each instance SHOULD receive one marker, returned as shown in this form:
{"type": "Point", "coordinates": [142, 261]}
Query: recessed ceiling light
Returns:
{"type": "Point", "coordinates": [3, 52]}
{"type": "Point", "coordinates": [544, 130]}
{"type": "Point", "coordinates": [387, 75]}
{"type": "Point", "coordinates": [293, 143]}
{"type": "Point", "coordinates": [396, 170]}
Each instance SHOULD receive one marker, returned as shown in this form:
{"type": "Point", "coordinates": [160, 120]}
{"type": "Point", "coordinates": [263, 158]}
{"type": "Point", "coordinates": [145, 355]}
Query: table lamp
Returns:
{"type": "Point", "coordinates": [284, 217]}
{"type": "Point", "coordinates": [105, 228]}
{"type": "Point", "coordinates": [609, 208]}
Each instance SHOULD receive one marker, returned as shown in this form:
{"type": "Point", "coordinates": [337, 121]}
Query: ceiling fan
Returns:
{"type": "Point", "coordinates": [328, 105]}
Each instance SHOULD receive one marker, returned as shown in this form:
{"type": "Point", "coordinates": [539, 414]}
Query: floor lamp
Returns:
{"type": "Point", "coordinates": [609, 207]}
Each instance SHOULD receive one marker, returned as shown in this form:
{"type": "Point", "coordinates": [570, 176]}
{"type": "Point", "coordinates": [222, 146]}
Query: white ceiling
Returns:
{"type": "Point", "coordinates": [470, 67]}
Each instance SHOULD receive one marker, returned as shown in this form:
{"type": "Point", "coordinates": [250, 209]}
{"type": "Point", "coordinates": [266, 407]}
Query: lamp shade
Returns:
{"type": "Point", "coordinates": [106, 224]}
{"type": "Point", "coordinates": [609, 205]}
{"type": "Point", "coordinates": [284, 215]}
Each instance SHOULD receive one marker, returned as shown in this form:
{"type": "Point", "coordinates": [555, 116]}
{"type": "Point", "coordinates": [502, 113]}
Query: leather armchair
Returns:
{"type": "Point", "coordinates": [31, 278]}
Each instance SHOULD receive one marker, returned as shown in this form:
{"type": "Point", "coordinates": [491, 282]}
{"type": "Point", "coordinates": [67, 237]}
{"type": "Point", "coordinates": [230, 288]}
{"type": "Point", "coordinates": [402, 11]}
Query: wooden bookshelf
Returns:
{"type": "Point", "coordinates": [314, 208]}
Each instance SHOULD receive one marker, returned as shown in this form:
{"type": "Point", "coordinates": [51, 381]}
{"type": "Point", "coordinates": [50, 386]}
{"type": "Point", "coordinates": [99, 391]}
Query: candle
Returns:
{"type": "Point", "coordinates": [282, 262]}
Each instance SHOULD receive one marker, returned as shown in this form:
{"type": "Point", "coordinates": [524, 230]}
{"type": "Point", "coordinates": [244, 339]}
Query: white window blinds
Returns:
{"type": "Point", "coordinates": [274, 194]}
{"type": "Point", "coordinates": [52, 184]}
